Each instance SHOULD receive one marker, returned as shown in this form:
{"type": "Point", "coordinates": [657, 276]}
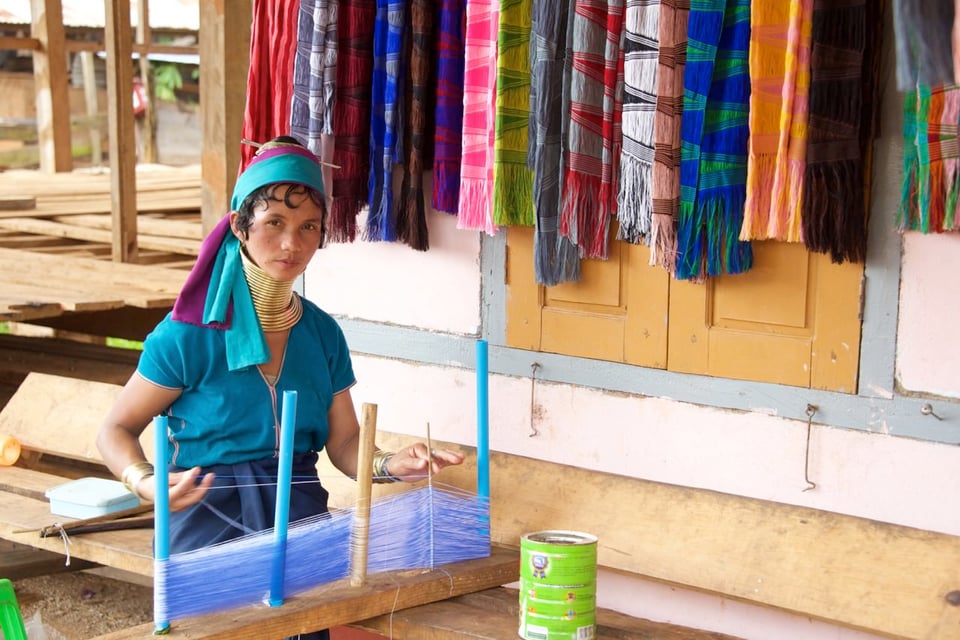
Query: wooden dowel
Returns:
{"type": "Point", "coordinates": [361, 524]}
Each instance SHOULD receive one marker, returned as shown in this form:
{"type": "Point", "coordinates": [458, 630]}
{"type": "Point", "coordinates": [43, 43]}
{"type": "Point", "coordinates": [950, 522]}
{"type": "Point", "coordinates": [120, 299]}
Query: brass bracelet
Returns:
{"type": "Point", "coordinates": [380, 473]}
{"type": "Point", "coordinates": [134, 473]}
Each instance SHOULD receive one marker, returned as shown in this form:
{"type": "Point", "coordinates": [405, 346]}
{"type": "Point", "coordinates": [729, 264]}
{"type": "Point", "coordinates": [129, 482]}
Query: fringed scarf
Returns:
{"type": "Point", "coordinates": [714, 131]}
{"type": "Point", "coordinates": [834, 201]}
{"type": "Point", "coordinates": [385, 117]}
{"type": "Point", "coordinates": [556, 259]}
{"type": "Point", "coordinates": [635, 200]}
{"type": "Point", "coordinates": [273, 46]}
{"type": "Point", "coordinates": [351, 117]}
{"type": "Point", "coordinates": [448, 117]}
{"type": "Point", "coordinates": [411, 215]}
{"type": "Point", "coordinates": [674, 15]}
{"type": "Point", "coordinates": [479, 101]}
{"type": "Point", "coordinates": [923, 30]}
{"type": "Point", "coordinates": [314, 73]}
{"type": "Point", "coordinates": [589, 190]}
{"type": "Point", "coordinates": [779, 81]}
{"type": "Point", "coordinates": [512, 179]}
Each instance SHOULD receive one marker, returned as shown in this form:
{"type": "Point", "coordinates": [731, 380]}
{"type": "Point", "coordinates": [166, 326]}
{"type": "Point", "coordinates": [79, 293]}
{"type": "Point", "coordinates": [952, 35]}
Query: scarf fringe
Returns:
{"type": "Point", "coordinates": [636, 194]}
{"type": "Point", "coordinates": [663, 242]}
{"type": "Point", "coordinates": [557, 264]}
{"type": "Point", "coordinates": [474, 211]}
{"type": "Point", "coordinates": [835, 217]}
{"type": "Point", "coordinates": [757, 218]}
{"type": "Point", "coordinates": [513, 195]}
{"type": "Point", "coordinates": [789, 200]}
{"type": "Point", "coordinates": [411, 219]}
{"type": "Point", "coordinates": [446, 186]}
{"type": "Point", "coordinates": [585, 215]}
{"type": "Point", "coordinates": [710, 232]}
{"type": "Point", "coordinates": [342, 226]}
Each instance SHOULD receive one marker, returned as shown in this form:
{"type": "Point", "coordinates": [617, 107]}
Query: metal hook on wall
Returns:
{"type": "Point", "coordinates": [811, 411]}
{"type": "Point", "coordinates": [533, 387]}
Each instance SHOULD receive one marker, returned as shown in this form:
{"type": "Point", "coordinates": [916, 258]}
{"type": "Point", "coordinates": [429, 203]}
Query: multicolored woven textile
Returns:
{"type": "Point", "coordinates": [351, 117]}
{"type": "Point", "coordinates": [674, 15]}
{"type": "Point", "coordinates": [640, 65]}
{"type": "Point", "coordinates": [589, 189]}
{"type": "Point", "coordinates": [448, 117]}
{"type": "Point", "coordinates": [479, 101]}
{"type": "Point", "coordinates": [779, 80]}
{"type": "Point", "coordinates": [714, 130]}
{"type": "Point", "coordinates": [314, 73]}
{"type": "Point", "coordinates": [923, 31]}
{"type": "Point", "coordinates": [385, 117]}
{"type": "Point", "coordinates": [273, 45]}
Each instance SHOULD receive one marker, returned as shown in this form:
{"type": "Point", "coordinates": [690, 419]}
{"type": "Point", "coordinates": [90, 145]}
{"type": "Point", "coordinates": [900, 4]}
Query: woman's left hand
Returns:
{"type": "Point", "coordinates": [410, 463]}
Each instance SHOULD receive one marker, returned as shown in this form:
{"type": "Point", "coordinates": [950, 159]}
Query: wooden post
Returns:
{"type": "Point", "coordinates": [361, 525]}
{"type": "Point", "coordinates": [149, 129]}
{"type": "Point", "coordinates": [224, 63]}
{"type": "Point", "coordinates": [51, 86]}
{"type": "Point", "coordinates": [123, 149]}
{"type": "Point", "coordinates": [93, 109]}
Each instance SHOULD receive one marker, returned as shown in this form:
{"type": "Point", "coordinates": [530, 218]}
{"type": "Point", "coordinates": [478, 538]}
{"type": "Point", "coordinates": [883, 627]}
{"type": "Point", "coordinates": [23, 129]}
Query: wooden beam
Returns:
{"type": "Point", "coordinates": [51, 87]}
{"type": "Point", "coordinates": [339, 603]}
{"type": "Point", "coordinates": [90, 100]}
{"type": "Point", "coordinates": [224, 63]}
{"type": "Point", "coordinates": [148, 132]}
{"type": "Point", "coordinates": [11, 42]}
{"type": "Point", "coordinates": [123, 147]}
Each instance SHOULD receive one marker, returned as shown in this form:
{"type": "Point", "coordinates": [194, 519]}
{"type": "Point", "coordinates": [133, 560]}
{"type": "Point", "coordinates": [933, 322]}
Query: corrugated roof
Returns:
{"type": "Point", "coordinates": [164, 14]}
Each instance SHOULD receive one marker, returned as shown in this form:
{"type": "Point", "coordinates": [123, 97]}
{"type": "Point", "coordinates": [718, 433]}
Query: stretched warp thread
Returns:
{"type": "Point", "coordinates": [834, 200]}
{"type": "Point", "coordinates": [385, 117]}
{"type": "Point", "coordinates": [714, 129]}
{"type": "Point", "coordinates": [479, 102]}
{"type": "Point", "coordinates": [314, 73]}
{"type": "Point", "coordinates": [589, 192]}
{"type": "Point", "coordinates": [273, 46]}
{"type": "Point", "coordinates": [923, 30]}
{"type": "Point", "coordinates": [351, 117]}
{"type": "Point", "coordinates": [635, 198]}
{"type": "Point", "coordinates": [671, 62]}
{"type": "Point", "coordinates": [448, 117]}
{"type": "Point", "coordinates": [411, 215]}
{"type": "Point", "coordinates": [780, 35]}
{"type": "Point", "coordinates": [556, 258]}
{"type": "Point", "coordinates": [512, 179]}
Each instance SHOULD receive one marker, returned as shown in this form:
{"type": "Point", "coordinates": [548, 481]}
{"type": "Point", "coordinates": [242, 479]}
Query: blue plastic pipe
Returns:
{"type": "Point", "coordinates": [161, 513]}
{"type": "Point", "coordinates": [288, 421]}
{"type": "Point", "coordinates": [483, 422]}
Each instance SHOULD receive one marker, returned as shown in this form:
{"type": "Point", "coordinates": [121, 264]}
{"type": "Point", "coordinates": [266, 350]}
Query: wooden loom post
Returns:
{"type": "Point", "coordinates": [361, 523]}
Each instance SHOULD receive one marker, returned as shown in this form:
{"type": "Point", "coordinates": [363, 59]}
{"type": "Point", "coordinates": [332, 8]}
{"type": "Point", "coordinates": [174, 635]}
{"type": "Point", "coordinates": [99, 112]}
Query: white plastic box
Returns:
{"type": "Point", "coordinates": [89, 498]}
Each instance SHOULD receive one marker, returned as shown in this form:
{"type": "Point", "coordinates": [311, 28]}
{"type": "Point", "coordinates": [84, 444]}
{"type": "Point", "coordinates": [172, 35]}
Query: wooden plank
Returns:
{"type": "Point", "coordinates": [76, 294]}
{"type": "Point", "coordinates": [18, 562]}
{"type": "Point", "coordinates": [146, 278]}
{"type": "Point", "coordinates": [339, 603]}
{"type": "Point", "coordinates": [21, 355]}
{"type": "Point", "coordinates": [173, 227]}
{"type": "Point", "coordinates": [17, 203]}
{"type": "Point", "coordinates": [46, 227]}
{"type": "Point", "coordinates": [52, 89]}
{"type": "Point", "coordinates": [878, 577]}
{"type": "Point", "coordinates": [67, 299]}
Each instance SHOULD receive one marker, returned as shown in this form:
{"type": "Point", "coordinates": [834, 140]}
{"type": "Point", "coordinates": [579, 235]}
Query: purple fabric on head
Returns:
{"type": "Point", "coordinates": [190, 303]}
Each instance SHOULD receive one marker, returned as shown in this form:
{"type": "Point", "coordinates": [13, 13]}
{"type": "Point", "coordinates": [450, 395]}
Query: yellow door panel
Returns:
{"type": "Point", "coordinates": [646, 292]}
{"type": "Point", "coordinates": [759, 357]}
{"type": "Point", "coordinates": [583, 334]}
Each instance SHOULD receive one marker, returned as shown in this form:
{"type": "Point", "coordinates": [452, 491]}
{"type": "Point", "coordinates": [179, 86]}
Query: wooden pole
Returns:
{"type": "Point", "coordinates": [51, 86]}
{"type": "Point", "coordinates": [361, 526]}
{"type": "Point", "coordinates": [93, 108]}
{"type": "Point", "coordinates": [149, 129]}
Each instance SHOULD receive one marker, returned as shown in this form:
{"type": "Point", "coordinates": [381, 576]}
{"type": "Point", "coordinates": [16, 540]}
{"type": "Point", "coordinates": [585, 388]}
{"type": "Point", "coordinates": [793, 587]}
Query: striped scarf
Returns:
{"type": "Point", "coordinates": [556, 259]}
{"type": "Point", "coordinates": [479, 100]}
{"type": "Point", "coordinates": [779, 79]}
{"type": "Point", "coordinates": [411, 216]}
{"type": "Point", "coordinates": [512, 179]}
{"type": "Point", "coordinates": [385, 117]}
{"type": "Point", "coordinates": [273, 45]}
{"type": "Point", "coordinates": [834, 198]}
{"type": "Point", "coordinates": [351, 117]}
{"type": "Point", "coordinates": [314, 73]}
{"type": "Point", "coordinates": [635, 210]}
{"type": "Point", "coordinates": [589, 188]}
{"type": "Point", "coordinates": [448, 117]}
{"type": "Point", "coordinates": [923, 30]}
{"type": "Point", "coordinates": [714, 130]}
{"type": "Point", "coordinates": [674, 15]}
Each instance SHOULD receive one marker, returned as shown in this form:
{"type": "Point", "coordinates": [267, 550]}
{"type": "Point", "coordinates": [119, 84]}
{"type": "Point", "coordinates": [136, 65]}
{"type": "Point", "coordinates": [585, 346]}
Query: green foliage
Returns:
{"type": "Point", "coordinates": [120, 343]}
{"type": "Point", "coordinates": [166, 80]}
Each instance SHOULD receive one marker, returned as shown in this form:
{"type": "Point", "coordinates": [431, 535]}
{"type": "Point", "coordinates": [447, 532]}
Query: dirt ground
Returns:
{"type": "Point", "coordinates": [80, 605]}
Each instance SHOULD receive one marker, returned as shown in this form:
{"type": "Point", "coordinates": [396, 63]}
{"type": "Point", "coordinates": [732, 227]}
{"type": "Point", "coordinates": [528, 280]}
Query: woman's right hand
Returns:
{"type": "Point", "coordinates": [184, 488]}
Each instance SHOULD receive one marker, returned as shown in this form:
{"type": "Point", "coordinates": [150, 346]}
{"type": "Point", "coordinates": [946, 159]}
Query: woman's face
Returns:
{"type": "Point", "coordinates": [282, 239]}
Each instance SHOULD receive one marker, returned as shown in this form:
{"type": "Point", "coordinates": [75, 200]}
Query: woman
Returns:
{"type": "Point", "coordinates": [217, 366]}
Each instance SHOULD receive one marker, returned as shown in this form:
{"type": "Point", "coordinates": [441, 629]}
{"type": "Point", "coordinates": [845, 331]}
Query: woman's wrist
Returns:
{"type": "Point", "coordinates": [381, 472]}
{"type": "Point", "coordinates": [134, 473]}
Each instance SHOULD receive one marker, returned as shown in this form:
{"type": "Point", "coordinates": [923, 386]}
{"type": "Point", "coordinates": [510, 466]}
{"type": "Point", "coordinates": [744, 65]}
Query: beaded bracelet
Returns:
{"type": "Point", "coordinates": [134, 473]}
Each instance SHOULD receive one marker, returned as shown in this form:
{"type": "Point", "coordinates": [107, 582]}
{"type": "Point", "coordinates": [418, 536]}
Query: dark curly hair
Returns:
{"type": "Point", "coordinates": [287, 193]}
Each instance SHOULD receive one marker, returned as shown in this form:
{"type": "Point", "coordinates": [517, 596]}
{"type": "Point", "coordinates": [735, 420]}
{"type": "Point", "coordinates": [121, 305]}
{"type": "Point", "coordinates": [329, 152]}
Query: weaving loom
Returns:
{"type": "Point", "coordinates": [422, 528]}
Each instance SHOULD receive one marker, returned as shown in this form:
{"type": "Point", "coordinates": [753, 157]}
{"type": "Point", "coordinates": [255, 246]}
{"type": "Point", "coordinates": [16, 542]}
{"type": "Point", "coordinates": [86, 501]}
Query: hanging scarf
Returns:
{"type": "Point", "coordinates": [950, 157]}
{"type": "Point", "coordinates": [385, 118]}
{"type": "Point", "coordinates": [834, 199]}
{"type": "Point", "coordinates": [588, 189]}
{"type": "Point", "coordinates": [479, 108]}
{"type": "Point", "coordinates": [779, 80]}
{"type": "Point", "coordinates": [351, 117]}
{"type": "Point", "coordinates": [411, 216]}
{"type": "Point", "coordinates": [273, 46]}
{"type": "Point", "coordinates": [634, 211]}
{"type": "Point", "coordinates": [674, 15]}
{"type": "Point", "coordinates": [448, 117]}
{"type": "Point", "coordinates": [556, 259]}
{"type": "Point", "coordinates": [923, 30]}
{"type": "Point", "coordinates": [713, 163]}
{"type": "Point", "coordinates": [314, 73]}
{"type": "Point", "coordinates": [512, 179]}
